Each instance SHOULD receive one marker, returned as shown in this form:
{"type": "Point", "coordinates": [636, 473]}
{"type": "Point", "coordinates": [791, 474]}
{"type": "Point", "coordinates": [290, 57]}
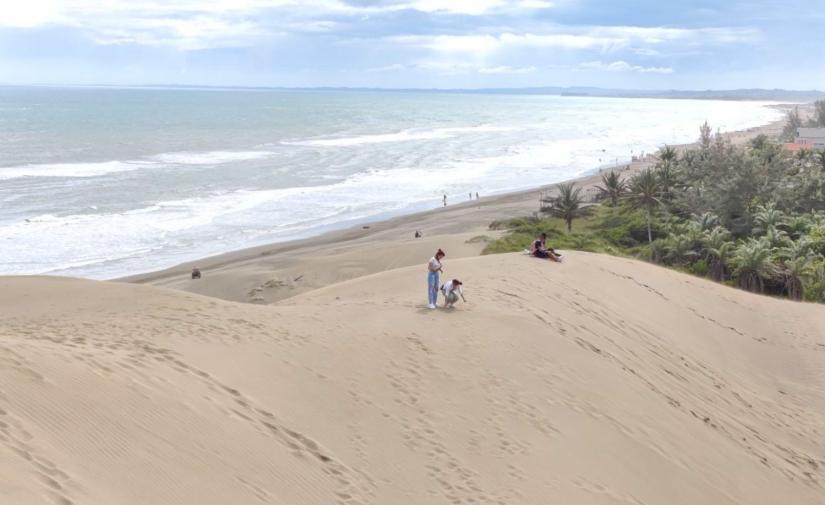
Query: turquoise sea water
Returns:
{"type": "Point", "coordinates": [108, 182]}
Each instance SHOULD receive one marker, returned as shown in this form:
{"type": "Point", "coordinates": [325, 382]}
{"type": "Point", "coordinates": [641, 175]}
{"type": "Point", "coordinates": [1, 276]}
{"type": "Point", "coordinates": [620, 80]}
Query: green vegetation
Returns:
{"type": "Point", "coordinates": [750, 216]}
{"type": "Point", "coordinates": [566, 206]}
{"type": "Point", "coordinates": [794, 121]}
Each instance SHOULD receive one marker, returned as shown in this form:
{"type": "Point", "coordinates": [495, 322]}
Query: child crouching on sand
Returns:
{"type": "Point", "coordinates": [452, 290]}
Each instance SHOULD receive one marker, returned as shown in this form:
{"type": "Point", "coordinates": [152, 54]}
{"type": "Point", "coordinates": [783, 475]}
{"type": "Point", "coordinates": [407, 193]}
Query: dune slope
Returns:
{"type": "Point", "coordinates": [597, 381]}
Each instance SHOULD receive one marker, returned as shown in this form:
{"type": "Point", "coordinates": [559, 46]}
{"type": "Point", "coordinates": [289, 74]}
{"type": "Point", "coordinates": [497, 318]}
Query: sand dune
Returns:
{"type": "Point", "coordinates": [598, 381]}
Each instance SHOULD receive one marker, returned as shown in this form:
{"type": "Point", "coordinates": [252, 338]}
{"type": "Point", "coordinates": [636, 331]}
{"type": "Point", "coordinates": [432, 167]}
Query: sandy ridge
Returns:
{"type": "Point", "coordinates": [600, 380]}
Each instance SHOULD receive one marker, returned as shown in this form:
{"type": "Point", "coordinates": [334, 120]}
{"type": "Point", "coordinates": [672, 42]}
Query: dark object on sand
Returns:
{"type": "Point", "coordinates": [365, 227]}
{"type": "Point", "coordinates": [196, 273]}
{"type": "Point", "coordinates": [418, 234]}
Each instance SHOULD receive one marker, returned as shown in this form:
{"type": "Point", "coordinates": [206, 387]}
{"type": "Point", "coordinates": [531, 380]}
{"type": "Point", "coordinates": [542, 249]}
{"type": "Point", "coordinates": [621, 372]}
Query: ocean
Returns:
{"type": "Point", "coordinates": [102, 183]}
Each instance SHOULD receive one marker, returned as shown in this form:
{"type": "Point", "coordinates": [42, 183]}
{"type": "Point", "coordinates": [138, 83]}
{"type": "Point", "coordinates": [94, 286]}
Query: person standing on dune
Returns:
{"type": "Point", "coordinates": [434, 268]}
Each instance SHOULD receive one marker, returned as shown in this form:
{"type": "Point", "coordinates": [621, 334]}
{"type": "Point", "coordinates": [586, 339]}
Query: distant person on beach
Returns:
{"type": "Point", "coordinates": [476, 195]}
{"type": "Point", "coordinates": [434, 267]}
{"type": "Point", "coordinates": [539, 249]}
{"type": "Point", "coordinates": [452, 290]}
{"type": "Point", "coordinates": [418, 234]}
{"type": "Point", "coordinates": [196, 273]}
{"type": "Point", "coordinates": [445, 200]}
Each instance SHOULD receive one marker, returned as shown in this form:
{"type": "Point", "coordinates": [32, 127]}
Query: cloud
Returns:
{"type": "Point", "coordinates": [395, 67]}
{"type": "Point", "coordinates": [406, 42]}
{"type": "Point", "coordinates": [603, 38]}
{"type": "Point", "coordinates": [646, 51]}
{"type": "Point", "coordinates": [481, 45]}
{"type": "Point", "coordinates": [506, 69]}
{"type": "Point", "coordinates": [452, 68]}
{"type": "Point", "coordinates": [474, 7]}
{"type": "Point", "coordinates": [622, 66]}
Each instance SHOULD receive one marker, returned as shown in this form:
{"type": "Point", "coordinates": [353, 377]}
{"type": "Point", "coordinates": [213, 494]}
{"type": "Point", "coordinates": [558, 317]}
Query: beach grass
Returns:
{"type": "Point", "coordinates": [619, 231]}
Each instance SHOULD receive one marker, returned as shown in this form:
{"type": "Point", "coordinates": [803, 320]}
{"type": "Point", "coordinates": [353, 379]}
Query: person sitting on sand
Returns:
{"type": "Point", "coordinates": [539, 249]}
{"type": "Point", "coordinates": [452, 290]}
{"type": "Point", "coordinates": [434, 268]}
{"type": "Point", "coordinates": [196, 273]}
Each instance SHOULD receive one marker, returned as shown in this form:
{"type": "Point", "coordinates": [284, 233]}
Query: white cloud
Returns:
{"type": "Point", "coordinates": [506, 69]}
{"type": "Point", "coordinates": [481, 45]}
{"type": "Point", "coordinates": [29, 13]}
{"type": "Point", "coordinates": [474, 7]}
{"type": "Point", "coordinates": [660, 34]}
{"type": "Point", "coordinates": [607, 38]}
{"type": "Point", "coordinates": [646, 51]}
{"type": "Point", "coordinates": [622, 66]}
{"type": "Point", "coordinates": [395, 67]}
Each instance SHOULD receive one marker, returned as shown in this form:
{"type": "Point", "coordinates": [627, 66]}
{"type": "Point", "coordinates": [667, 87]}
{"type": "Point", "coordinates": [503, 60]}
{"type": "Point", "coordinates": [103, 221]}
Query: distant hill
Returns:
{"type": "Point", "coordinates": [708, 94]}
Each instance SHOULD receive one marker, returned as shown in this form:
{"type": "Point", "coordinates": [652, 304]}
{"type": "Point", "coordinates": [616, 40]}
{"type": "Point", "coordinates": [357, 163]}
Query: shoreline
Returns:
{"type": "Point", "coordinates": [275, 271]}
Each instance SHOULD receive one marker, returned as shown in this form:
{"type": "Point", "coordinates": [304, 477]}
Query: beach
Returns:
{"type": "Point", "coordinates": [107, 183]}
{"type": "Point", "coordinates": [273, 272]}
{"type": "Point", "coordinates": [311, 372]}
{"type": "Point", "coordinates": [600, 380]}
{"type": "Point", "coordinates": [412, 252]}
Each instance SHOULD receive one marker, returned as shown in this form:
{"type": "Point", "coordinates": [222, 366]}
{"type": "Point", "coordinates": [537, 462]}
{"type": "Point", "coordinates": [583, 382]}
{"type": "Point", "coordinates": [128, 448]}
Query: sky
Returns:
{"type": "Point", "coordinates": [640, 44]}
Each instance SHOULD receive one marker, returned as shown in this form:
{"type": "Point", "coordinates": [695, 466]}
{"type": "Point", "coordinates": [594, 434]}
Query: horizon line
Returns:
{"type": "Point", "coordinates": [431, 89]}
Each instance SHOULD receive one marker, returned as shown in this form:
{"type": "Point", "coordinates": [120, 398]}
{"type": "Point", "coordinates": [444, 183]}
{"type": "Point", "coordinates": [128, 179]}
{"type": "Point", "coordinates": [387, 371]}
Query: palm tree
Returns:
{"type": "Point", "coordinates": [798, 226]}
{"type": "Point", "coordinates": [793, 122]}
{"type": "Point", "coordinates": [767, 217]}
{"type": "Point", "coordinates": [795, 269]}
{"type": "Point", "coordinates": [720, 259]}
{"type": "Point", "coordinates": [667, 179]}
{"type": "Point", "coordinates": [613, 187]}
{"type": "Point", "coordinates": [796, 266]}
{"type": "Point", "coordinates": [753, 265]}
{"type": "Point", "coordinates": [718, 252]}
{"type": "Point", "coordinates": [567, 205]}
{"type": "Point", "coordinates": [668, 155]}
{"type": "Point", "coordinates": [644, 194]}
{"type": "Point", "coordinates": [680, 249]}
{"type": "Point", "coordinates": [776, 237]}
{"type": "Point", "coordinates": [705, 135]}
{"type": "Point", "coordinates": [707, 220]}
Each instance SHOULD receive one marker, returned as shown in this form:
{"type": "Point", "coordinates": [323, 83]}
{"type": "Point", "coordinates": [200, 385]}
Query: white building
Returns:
{"type": "Point", "coordinates": [814, 137]}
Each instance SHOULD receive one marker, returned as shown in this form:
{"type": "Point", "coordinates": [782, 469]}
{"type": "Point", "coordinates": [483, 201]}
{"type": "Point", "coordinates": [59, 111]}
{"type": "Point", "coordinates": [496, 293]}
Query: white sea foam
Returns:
{"type": "Point", "coordinates": [97, 169]}
{"type": "Point", "coordinates": [71, 169]}
{"type": "Point", "coordinates": [328, 187]}
{"type": "Point", "coordinates": [401, 136]}
{"type": "Point", "coordinates": [210, 157]}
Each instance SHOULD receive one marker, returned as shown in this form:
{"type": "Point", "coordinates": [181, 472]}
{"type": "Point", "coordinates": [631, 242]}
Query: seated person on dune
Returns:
{"type": "Point", "coordinates": [539, 249]}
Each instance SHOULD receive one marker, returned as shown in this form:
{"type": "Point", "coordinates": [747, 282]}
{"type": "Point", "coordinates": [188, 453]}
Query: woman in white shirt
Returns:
{"type": "Point", "coordinates": [452, 290]}
{"type": "Point", "coordinates": [434, 268]}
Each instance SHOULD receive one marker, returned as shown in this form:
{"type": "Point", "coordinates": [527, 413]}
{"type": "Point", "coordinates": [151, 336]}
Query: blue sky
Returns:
{"type": "Point", "coordinates": [692, 44]}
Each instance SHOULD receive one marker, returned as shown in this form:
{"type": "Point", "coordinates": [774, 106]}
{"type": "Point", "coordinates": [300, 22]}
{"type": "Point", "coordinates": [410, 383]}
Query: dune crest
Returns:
{"type": "Point", "coordinates": [598, 381]}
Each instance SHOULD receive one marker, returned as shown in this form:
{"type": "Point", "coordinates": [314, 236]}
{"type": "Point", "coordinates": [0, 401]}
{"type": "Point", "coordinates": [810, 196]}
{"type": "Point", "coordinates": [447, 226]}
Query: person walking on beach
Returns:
{"type": "Point", "coordinates": [434, 267]}
{"type": "Point", "coordinates": [452, 290]}
{"type": "Point", "coordinates": [445, 199]}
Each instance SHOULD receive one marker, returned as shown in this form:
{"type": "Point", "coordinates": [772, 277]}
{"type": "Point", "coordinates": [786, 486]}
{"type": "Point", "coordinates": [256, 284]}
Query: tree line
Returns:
{"type": "Point", "coordinates": [752, 216]}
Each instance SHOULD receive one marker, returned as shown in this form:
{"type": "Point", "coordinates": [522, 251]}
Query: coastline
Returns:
{"type": "Point", "coordinates": [272, 272]}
